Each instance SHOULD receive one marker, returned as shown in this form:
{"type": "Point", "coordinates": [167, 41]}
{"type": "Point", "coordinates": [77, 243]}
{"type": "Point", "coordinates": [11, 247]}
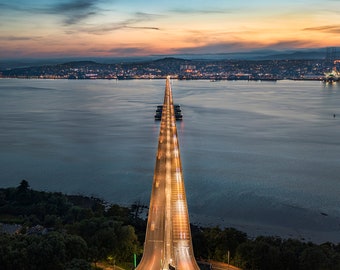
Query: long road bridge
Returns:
{"type": "Point", "coordinates": [168, 243]}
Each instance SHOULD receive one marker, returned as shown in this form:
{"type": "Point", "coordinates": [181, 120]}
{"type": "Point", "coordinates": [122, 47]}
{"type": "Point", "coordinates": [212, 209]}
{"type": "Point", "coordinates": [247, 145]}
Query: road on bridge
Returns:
{"type": "Point", "coordinates": [168, 243]}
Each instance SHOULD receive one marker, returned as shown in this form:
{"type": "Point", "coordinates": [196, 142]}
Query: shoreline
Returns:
{"type": "Point", "coordinates": [175, 77]}
{"type": "Point", "coordinates": [256, 229]}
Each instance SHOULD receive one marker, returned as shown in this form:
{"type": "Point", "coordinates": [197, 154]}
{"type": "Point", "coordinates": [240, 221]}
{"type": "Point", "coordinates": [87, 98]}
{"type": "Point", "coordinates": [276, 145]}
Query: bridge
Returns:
{"type": "Point", "coordinates": [168, 243]}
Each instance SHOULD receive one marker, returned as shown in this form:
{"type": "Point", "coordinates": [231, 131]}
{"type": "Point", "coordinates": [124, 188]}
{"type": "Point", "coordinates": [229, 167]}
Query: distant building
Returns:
{"type": "Point", "coordinates": [331, 55]}
{"type": "Point", "coordinates": [10, 228]}
{"type": "Point", "coordinates": [37, 230]}
{"type": "Point", "coordinates": [187, 68]}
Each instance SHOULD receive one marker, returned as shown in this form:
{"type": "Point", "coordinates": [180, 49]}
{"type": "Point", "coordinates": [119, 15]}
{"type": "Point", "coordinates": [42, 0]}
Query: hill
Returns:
{"type": "Point", "coordinates": [227, 69]}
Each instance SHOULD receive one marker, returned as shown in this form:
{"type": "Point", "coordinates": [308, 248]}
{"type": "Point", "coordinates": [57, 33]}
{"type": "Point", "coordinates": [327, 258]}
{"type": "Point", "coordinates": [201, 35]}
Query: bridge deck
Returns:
{"type": "Point", "coordinates": [168, 237]}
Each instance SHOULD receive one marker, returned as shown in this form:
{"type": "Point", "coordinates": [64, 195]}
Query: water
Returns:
{"type": "Point", "coordinates": [259, 156]}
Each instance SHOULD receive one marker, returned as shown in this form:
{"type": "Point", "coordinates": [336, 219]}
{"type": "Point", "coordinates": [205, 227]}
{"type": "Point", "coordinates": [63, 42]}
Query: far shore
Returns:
{"type": "Point", "coordinates": [211, 79]}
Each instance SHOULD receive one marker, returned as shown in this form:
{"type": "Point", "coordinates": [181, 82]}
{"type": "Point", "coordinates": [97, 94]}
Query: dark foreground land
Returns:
{"type": "Point", "coordinates": [44, 230]}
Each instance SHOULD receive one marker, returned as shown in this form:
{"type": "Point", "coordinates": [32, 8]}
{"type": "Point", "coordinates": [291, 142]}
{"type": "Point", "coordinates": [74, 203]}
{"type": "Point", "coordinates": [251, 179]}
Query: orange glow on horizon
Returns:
{"type": "Point", "coordinates": [170, 31]}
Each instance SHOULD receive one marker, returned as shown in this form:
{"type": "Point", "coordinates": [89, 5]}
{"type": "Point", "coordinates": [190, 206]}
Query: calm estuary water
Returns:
{"type": "Point", "coordinates": [263, 157]}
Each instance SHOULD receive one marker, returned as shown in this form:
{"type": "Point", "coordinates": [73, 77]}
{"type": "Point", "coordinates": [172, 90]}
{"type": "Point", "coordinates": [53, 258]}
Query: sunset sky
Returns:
{"type": "Point", "coordinates": [99, 28]}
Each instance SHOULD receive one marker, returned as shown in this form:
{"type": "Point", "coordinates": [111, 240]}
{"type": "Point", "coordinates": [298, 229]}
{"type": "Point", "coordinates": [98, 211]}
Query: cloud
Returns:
{"type": "Point", "coordinates": [288, 44]}
{"type": "Point", "coordinates": [199, 11]}
{"type": "Point", "coordinates": [17, 38]}
{"type": "Point", "coordinates": [74, 11]}
{"type": "Point", "coordinates": [143, 27]}
{"type": "Point", "coordinates": [4, 6]}
{"type": "Point", "coordinates": [138, 18]}
{"type": "Point", "coordinates": [130, 51]}
{"type": "Point", "coordinates": [9, 8]}
{"type": "Point", "coordinates": [122, 50]}
{"type": "Point", "coordinates": [74, 5]}
{"type": "Point", "coordinates": [222, 47]}
{"type": "Point", "coordinates": [239, 46]}
{"type": "Point", "coordinates": [325, 28]}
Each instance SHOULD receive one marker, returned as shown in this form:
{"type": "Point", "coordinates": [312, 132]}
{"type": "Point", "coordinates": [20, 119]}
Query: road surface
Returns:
{"type": "Point", "coordinates": [168, 242]}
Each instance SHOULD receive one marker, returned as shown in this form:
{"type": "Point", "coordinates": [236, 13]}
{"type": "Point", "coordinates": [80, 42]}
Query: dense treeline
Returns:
{"type": "Point", "coordinates": [63, 232]}
{"type": "Point", "coordinates": [264, 253]}
{"type": "Point", "coordinates": [73, 232]}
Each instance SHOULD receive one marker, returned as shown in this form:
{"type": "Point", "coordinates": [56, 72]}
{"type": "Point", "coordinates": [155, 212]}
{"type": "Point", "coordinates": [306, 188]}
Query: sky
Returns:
{"type": "Point", "coordinates": [121, 28]}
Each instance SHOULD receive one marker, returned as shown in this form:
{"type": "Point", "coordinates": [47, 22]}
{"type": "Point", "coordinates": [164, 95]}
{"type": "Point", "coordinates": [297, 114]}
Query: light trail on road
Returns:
{"type": "Point", "coordinates": [168, 243]}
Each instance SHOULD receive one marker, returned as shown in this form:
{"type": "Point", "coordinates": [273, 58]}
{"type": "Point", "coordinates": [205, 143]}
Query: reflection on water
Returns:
{"type": "Point", "coordinates": [255, 155]}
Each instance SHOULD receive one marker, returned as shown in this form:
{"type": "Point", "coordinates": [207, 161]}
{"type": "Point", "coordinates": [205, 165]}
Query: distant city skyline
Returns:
{"type": "Point", "coordinates": [121, 28]}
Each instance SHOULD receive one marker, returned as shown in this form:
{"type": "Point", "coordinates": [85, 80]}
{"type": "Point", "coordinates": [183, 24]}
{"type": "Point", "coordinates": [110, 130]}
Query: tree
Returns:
{"type": "Point", "coordinates": [23, 187]}
{"type": "Point", "coordinates": [106, 237]}
{"type": "Point", "coordinates": [290, 252]}
{"type": "Point", "coordinates": [313, 258]}
{"type": "Point", "coordinates": [23, 195]}
{"type": "Point", "coordinates": [215, 242]}
{"type": "Point", "coordinates": [263, 253]}
{"type": "Point", "coordinates": [78, 264]}
{"type": "Point", "coordinates": [75, 246]}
